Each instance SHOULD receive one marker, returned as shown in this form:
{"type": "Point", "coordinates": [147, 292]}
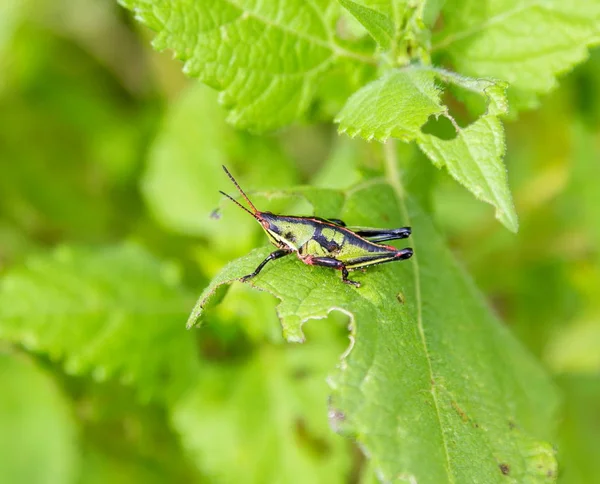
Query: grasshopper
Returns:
{"type": "Point", "coordinates": [320, 242]}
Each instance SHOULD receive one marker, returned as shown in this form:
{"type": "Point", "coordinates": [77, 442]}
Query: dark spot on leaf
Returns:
{"type": "Point", "coordinates": [511, 424]}
{"type": "Point", "coordinates": [400, 298]}
{"type": "Point", "coordinates": [460, 411]}
{"type": "Point", "coordinates": [505, 469]}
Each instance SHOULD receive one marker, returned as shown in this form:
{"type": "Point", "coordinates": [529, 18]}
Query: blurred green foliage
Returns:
{"type": "Point", "coordinates": [106, 240]}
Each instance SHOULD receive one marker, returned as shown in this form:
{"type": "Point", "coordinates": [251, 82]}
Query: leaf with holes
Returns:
{"type": "Point", "coordinates": [427, 358]}
{"type": "Point", "coordinates": [267, 60]}
{"type": "Point", "coordinates": [474, 156]}
{"type": "Point", "coordinates": [103, 311]}
{"type": "Point", "coordinates": [399, 104]}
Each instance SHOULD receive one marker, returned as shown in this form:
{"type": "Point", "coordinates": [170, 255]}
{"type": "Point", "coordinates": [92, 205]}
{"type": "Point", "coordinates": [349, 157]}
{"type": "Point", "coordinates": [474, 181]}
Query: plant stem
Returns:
{"type": "Point", "coordinates": [392, 173]}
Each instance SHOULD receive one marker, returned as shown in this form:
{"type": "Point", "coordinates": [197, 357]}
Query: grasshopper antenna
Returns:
{"type": "Point", "coordinates": [237, 203]}
{"type": "Point", "coordinates": [241, 191]}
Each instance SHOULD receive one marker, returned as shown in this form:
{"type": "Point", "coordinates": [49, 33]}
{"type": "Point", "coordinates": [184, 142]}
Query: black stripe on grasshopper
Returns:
{"type": "Point", "coordinates": [322, 242]}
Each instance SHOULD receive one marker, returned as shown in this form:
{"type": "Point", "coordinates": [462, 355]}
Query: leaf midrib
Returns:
{"type": "Point", "coordinates": [329, 44]}
{"type": "Point", "coordinates": [392, 176]}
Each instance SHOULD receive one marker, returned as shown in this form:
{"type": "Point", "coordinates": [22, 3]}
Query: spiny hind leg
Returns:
{"type": "Point", "coordinates": [335, 264]}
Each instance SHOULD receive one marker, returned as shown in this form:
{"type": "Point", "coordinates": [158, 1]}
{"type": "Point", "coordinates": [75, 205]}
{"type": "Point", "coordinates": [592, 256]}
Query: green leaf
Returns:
{"type": "Point", "coordinates": [396, 105]}
{"type": "Point", "coordinates": [38, 442]}
{"type": "Point", "coordinates": [267, 60]}
{"type": "Point", "coordinates": [398, 26]}
{"type": "Point", "coordinates": [115, 311]}
{"type": "Point", "coordinates": [184, 174]}
{"type": "Point", "coordinates": [377, 23]}
{"type": "Point", "coordinates": [427, 358]}
{"type": "Point", "coordinates": [527, 43]}
{"type": "Point", "coordinates": [474, 158]}
{"type": "Point", "coordinates": [268, 414]}
{"type": "Point", "coordinates": [400, 103]}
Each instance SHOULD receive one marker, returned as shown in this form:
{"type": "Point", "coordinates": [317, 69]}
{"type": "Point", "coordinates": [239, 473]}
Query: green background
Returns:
{"type": "Point", "coordinates": [109, 169]}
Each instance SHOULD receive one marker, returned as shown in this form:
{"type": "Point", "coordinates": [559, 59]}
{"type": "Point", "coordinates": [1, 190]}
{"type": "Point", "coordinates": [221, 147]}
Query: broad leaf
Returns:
{"type": "Point", "coordinates": [527, 43]}
{"type": "Point", "coordinates": [427, 358]}
{"type": "Point", "coordinates": [396, 105]}
{"type": "Point", "coordinates": [268, 415]}
{"type": "Point", "coordinates": [400, 103]}
{"type": "Point", "coordinates": [117, 312]}
{"type": "Point", "coordinates": [266, 59]}
{"type": "Point", "coordinates": [38, 443]}
{"type": "Point", "coordinates": [474, 158]}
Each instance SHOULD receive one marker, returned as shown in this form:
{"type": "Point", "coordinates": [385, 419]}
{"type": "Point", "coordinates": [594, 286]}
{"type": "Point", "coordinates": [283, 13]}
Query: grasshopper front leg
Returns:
{"type": "Point", "coordinates": [336, 264]}
{"type": "Point", "coordinates": [272, 256]}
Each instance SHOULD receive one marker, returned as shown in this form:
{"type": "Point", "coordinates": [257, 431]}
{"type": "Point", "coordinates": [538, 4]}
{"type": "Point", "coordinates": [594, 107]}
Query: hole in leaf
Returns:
{"type": "Point", "coordinates": [464, 106]}
{"type": "Point", "coordinates": [440, 127]}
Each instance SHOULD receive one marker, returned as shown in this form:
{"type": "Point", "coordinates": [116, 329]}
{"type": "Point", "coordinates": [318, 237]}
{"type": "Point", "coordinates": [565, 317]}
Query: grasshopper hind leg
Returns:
{"type": "Point", "coordinates": [346, 280]}
{"type": "Point", "coordinates": [335, 264]}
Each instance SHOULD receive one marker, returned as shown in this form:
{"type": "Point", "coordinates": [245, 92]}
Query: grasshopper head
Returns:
{"type": "Point", "coordinates": [268, 221]}
{"type": "Point", "coordinates": [278, 232]}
